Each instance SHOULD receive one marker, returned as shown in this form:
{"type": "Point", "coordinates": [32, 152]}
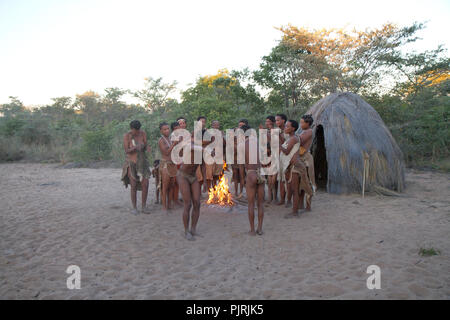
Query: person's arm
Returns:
{"type": "Point", "coordinates": [165, 149]}
{"type": "Point", "coordinates": [126, 143]}
{"type": "Point", "coordinates": [291, 144]}
{"type": "Point", "coordinates": [281, 139]}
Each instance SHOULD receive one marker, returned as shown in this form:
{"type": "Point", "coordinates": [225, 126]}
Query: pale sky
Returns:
{"type": "Point", "coordinates": [53, 48]}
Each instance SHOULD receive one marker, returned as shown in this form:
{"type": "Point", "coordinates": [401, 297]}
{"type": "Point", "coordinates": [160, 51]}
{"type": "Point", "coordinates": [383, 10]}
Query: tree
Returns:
{"type": "Point", "coordinates": [222, 97]}
{"type": "Point", "coordinates": [88, 104]}
{"type": "Point", "coordinates": [356, 60]}
{"type": "Point", "coordinates": [295, 74]}
{"type": "Point", "coordinates": [420, 70]}
{"type": "Point", "coordinates": [13, 108]}
{"type": "Point", "coordinates": [156, 94]}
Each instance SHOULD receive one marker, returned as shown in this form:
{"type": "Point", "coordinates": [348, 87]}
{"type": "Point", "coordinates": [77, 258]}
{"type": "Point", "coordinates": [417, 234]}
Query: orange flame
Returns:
{"type": "Point", "coordinates": [219, 194]}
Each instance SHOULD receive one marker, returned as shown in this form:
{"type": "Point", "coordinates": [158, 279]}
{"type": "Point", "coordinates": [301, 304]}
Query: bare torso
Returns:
{"type": "Point", "coordinates": [130, 141]}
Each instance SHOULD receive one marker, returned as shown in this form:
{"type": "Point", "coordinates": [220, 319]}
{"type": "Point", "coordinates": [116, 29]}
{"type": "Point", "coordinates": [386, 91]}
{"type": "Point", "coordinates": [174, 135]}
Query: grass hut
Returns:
{"type": "Point", "coordinates": [350, 136]}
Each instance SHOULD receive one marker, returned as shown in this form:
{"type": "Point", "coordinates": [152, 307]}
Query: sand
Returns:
{"type": "Point", "coordinates": [52, 218]}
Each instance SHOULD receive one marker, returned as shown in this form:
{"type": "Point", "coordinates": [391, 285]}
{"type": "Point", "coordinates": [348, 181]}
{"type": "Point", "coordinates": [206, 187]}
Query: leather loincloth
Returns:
{"type": "Point", "coordinates": [169, 167]}
{"type": "Point", "coordinates": [130, 171]}
{"type": "Point", "coordinates": [190, 178]}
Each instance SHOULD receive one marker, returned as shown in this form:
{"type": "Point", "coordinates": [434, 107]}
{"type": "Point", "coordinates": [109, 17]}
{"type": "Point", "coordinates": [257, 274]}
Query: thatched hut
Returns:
{"type": "Point", "coordinates": [347, 130]}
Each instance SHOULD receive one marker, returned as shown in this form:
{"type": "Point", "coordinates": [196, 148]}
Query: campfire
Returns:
{"type": "Point", "coordinates": [219, 194]}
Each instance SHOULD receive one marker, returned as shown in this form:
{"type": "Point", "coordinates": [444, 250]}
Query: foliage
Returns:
{"type": "Point", "coordinates": [410, 91]}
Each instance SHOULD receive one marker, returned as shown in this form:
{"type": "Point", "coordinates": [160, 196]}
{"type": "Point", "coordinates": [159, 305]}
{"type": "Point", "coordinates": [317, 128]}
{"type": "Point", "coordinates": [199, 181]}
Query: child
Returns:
{"type": "Point", "coordinates": [157, 176]}
{"type": "Point", "coordinates": [168, 168]}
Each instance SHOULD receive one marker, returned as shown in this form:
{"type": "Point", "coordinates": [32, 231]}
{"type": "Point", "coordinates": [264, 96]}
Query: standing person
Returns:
{"type": "Point", "coordinates": [238, 170]}
{"type": "Point", "coordinates": [190, 191]}
{"type": "Point", "coordinates": [168, 169]}
{"type": "Point", "coordinates": [216, 169]}
{"type": "Point", "coordinates": [254, 185]}
{"type": "Point", "coordinates": [175, 191]}
{"type": "Point", "coordinates": [272, 181]}
{"type": "Point", "coordinates": [308, 185]}
{"type": "Point", "coordinates": [136, 170]}
{"type": "Point", "coordinates": [280, 120]}
{"type": "Point", "coordinates": [288, 156]}
{"type": "Point", "coordinates": [201, 170]}
{"type": "Point", "coordinates": [157, 176]}
{"type": "Point", "coordinates": [209, 168]}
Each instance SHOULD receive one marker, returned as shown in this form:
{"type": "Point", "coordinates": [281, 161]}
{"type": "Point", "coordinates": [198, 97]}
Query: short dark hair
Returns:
{"type": "Point", "coordinates": [245, 127]}
{"type": "Point", "coordinates": [173, 125]}
{"type": "Point", "coordinates": [156, 162]}
{"type": "Point", "coordinates": [271, 118]}
{"type": "Point", "coordinates": [201, 117]}
{"type": "Point", "coordinates": [245, 121]}
{"type": "Point", "coordinates": [181, 118]}
{"type": "Point", "coordinates": [162, 124]}
{"type": "Point", "coordinates": [282, 116]}
{"type": "Point", "coordinates": [294, 124]}
{"type": "Point", "coordinates": [308, 119]}
{"type": "Point", "coordinates": [135, 124]}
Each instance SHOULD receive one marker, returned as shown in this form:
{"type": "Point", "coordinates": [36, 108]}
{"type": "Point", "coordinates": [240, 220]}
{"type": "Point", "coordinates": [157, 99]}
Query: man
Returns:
{"type": "Point", "coordinates": [190, 191]}
{"type": "Point", "coordinates": [136, 170]}
{"type": "Point", "coordinates": [280, 120]}
{"type": "Point", "coordinates": [175, 191]}
{"type": "Point", "coordinates": [201, 170]}
{"type": "Point", "coordinates": [213, 171]}
{"type": "Point", "coordinates": [168, 169]}
{"type": "Point", "coordinates": [238, 170]}
{"type": "Point", "coordinates": [157, 176]}
{"type": "Point", "coordinates": [272, 181]}
{"type": "Point", "coordinates": [254, 185]}
{"type": "Point", "coordinates": [308, 184]}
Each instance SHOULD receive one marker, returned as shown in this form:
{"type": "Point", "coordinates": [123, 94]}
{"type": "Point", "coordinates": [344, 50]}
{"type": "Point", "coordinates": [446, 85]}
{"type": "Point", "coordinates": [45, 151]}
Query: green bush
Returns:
{"type": "Point", "coordinates": [9, 126]}
{"type": "Point", "coordinates": [10, 149]}
{"type": "Point", "coordinates": [35, 132]}
{"type": "Point", "coordinates": [95, 145]}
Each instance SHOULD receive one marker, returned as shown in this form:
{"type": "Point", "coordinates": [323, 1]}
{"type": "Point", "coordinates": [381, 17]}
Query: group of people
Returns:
{"type": "Point", "coordinates": [294, 174]}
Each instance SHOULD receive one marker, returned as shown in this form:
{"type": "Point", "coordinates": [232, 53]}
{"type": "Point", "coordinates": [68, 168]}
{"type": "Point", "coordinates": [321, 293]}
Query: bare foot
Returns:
{"type": "Point", "coordinates": [196, 234]}
{"type": "Point", "coordinates": [291, 215]}
{"type": "Point", "coordinates": [252, 233]}
{"type": "Point", "coordinates": [189, 236]}
{"type": "Point", "coordinates": [280, 203]}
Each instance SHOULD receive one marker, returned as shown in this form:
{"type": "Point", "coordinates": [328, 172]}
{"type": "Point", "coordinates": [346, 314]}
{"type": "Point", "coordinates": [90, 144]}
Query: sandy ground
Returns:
{"type": "Point", "coordinates": [52, 218]}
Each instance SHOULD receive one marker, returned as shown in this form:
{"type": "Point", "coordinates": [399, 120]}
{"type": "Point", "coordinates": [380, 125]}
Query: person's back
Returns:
{"type": "Point", "coordinates": [254, 183]}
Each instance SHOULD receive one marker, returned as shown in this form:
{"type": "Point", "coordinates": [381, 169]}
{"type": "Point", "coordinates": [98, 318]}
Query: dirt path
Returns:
{"type": "Point", "coordinates": [52, 218]}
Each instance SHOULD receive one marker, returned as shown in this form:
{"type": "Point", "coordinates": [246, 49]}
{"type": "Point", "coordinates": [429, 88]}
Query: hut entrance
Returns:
{"type": "Point", "coordinates": [320, 158]}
